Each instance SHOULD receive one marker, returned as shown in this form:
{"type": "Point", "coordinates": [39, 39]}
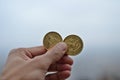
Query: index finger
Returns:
{"type": "Point", "coordinates": [36, 51]}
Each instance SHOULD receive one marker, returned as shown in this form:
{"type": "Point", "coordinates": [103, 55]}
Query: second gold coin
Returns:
{"type": "Point", "coordinates": [74, 43]}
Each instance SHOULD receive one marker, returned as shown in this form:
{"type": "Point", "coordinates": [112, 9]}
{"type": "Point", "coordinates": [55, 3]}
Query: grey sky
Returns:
{"type": "Point", "coordinates": [23, 23]}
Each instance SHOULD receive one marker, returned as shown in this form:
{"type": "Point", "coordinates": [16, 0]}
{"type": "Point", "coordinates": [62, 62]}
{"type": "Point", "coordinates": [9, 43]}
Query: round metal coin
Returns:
{"type": "Point", "coordinates": [51, 39]}
{"type": "Point", "coordinates": [74, 43]}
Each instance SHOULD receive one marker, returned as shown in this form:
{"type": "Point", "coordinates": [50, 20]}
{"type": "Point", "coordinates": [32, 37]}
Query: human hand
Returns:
{"type": "Point", "coordinates": [34, 63]}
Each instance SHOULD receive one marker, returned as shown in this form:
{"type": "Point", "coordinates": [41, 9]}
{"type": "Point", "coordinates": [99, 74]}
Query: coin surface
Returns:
{"type": "Point", "coordinates": [74, 43]}
{"type": "Point", "coordinates": [51, 39]}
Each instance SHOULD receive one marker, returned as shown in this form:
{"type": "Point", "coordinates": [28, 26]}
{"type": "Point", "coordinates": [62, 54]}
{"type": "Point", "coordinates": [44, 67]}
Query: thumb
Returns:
{"type": "Point", "coordinates": [55, 53]}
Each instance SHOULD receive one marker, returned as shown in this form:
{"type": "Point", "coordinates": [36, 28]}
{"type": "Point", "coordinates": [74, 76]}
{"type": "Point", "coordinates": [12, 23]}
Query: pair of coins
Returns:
{"type": "Point", "coordinates": [74, 42]}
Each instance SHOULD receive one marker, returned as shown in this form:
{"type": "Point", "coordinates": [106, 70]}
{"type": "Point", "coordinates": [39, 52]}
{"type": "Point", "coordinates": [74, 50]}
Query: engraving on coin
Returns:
{"type": "Point", "coordinates": [74, 43]}
{"type": "Point", "coordinates": [51, 39]}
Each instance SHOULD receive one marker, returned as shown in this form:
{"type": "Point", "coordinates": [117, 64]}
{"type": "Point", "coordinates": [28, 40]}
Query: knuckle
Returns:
{"type": "Point", "coordinates": [20, 49]}
{"type": "Point", "coordinates": [16, 50]}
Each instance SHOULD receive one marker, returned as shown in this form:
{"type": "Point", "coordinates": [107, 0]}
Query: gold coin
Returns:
{"type": "Point", "coordinates": [51, 39]}
{"type": "Point", "coordinates": [74, 43]}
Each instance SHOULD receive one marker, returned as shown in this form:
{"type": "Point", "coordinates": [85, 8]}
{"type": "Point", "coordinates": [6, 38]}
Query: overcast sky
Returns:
{"type": "Point", "coordinates": [23, 23]}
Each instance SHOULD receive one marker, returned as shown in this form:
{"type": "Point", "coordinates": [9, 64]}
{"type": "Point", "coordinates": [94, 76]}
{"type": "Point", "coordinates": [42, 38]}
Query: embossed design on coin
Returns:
{"type": "Point", "coordinates": [74, 43]}
{"type": "Point", "coordinates": [51, 39]}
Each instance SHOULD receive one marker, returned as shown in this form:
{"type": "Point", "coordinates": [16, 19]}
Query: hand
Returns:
{"type": "Point", "coordinates": [34, 64]}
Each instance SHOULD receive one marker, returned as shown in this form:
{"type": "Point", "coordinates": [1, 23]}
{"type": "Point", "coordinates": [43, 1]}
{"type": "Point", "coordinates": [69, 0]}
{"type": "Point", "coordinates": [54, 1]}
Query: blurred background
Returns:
{"type": "Point", "coordinates": [23, 23]}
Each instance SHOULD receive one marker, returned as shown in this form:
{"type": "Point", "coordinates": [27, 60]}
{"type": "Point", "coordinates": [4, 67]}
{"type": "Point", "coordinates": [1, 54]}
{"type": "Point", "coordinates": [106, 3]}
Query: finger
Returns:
{"type": "Point", "coordinates": [66, 60]}
{"type": "Point", "coordinates": [35, 51]}
{"type": "Point", "coordinates": [59, 67]}
{"type": "Point", "coordinates": [58, 76]}
{"type": "Point", "coordinates": [55, 53]}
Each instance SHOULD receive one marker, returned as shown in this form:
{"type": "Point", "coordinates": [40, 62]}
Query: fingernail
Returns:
{"type": "Point", "coordinates": [63, 46]}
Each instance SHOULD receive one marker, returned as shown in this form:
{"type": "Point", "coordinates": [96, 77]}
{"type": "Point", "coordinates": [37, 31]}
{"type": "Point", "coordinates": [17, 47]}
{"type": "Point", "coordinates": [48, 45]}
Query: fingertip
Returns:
{"type": "Point", "coordinates": [66, 60]}
{"type": "Point", "coordinates": [65, 74]}
{"type": "Point", "coordinates": [62, 45]}
{"type": "Point", "coordinates": [64, 67]}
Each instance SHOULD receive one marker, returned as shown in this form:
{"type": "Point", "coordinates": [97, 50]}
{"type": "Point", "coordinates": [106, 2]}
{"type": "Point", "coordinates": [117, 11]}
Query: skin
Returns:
{"type": "Point", "coordinates": [35, 63]}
